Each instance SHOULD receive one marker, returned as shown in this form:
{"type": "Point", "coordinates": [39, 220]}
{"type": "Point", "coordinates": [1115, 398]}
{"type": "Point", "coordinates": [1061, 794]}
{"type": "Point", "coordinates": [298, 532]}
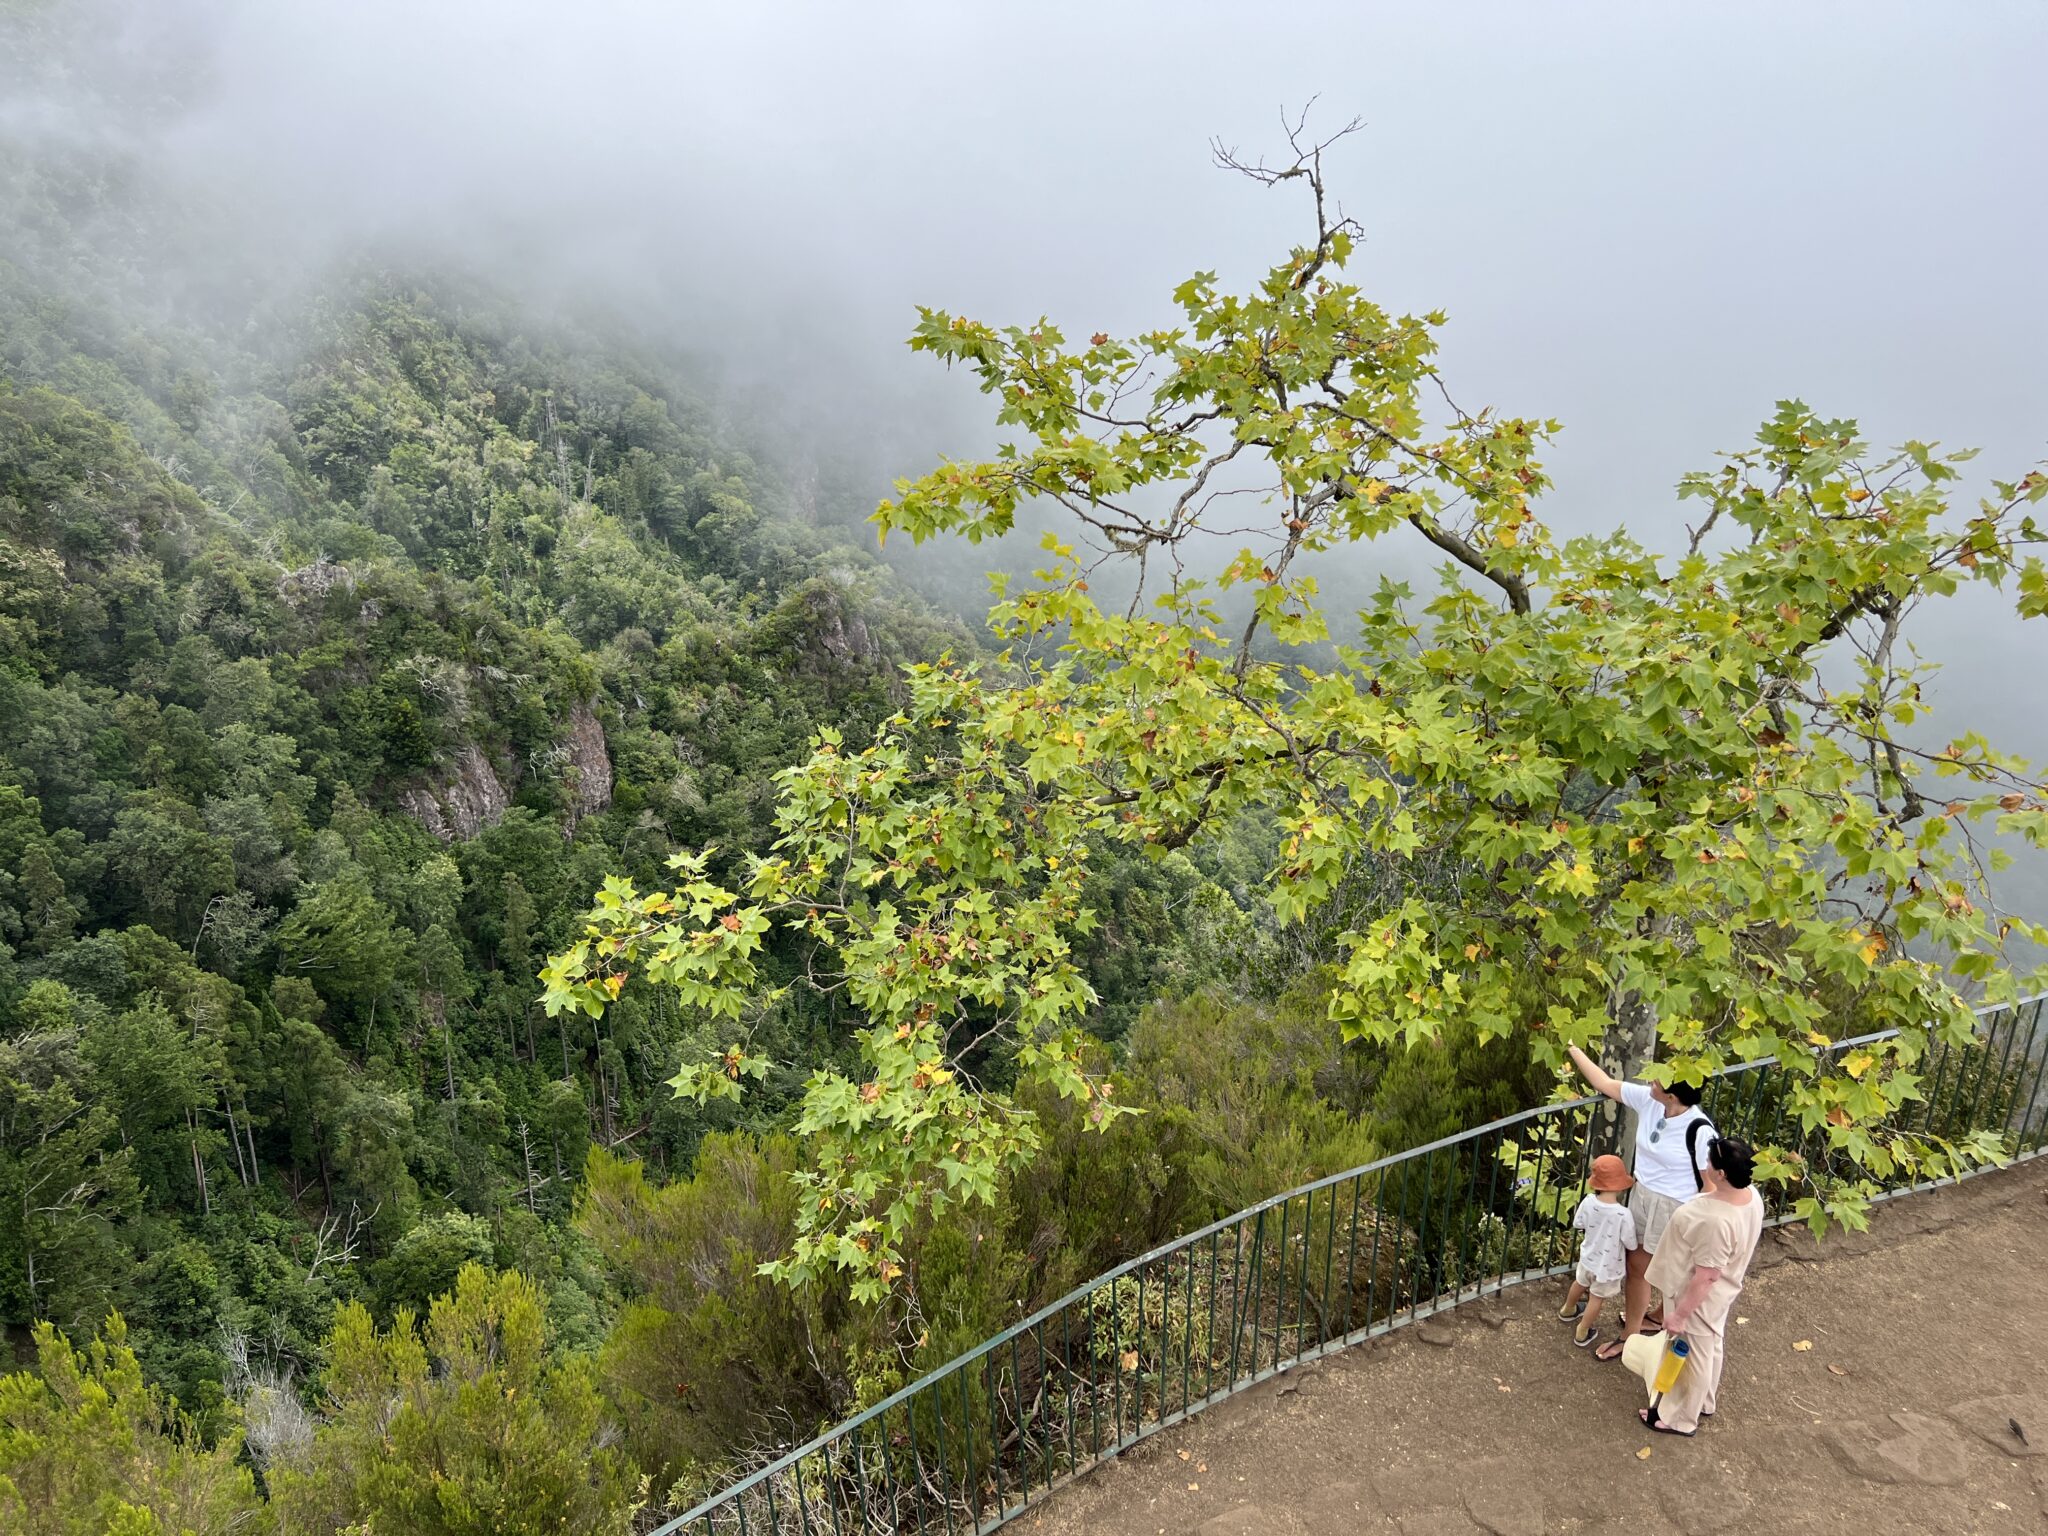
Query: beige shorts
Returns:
{"type": "Point", "coordinates": [1606, 1290]}
{"type": "Point", "coordinates": [1653, 1214]}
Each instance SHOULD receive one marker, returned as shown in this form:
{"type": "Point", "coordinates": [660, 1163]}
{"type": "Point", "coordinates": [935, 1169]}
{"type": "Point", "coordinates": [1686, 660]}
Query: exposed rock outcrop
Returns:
{"type": "Point", "coordinates": [835, 633]}
{"type": "Point", "coordinates": [590, 763]}
{"type": "Point", "coordinates": [471, 798]}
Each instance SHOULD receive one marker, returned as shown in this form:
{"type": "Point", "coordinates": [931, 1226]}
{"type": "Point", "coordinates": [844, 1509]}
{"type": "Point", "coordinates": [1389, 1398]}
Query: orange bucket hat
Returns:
{"type": "Point", "coordinates": [1609, 1172]}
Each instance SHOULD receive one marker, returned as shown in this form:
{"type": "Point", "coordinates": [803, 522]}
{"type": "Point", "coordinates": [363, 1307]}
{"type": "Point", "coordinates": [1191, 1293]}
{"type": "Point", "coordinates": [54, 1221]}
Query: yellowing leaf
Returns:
{"type": "Point", "coordinates": [1856, 1063]}
{"type": "Point", "coordinates": [1803, 1345]}
{"type": "Point", "coordinates": [1643, 1454]}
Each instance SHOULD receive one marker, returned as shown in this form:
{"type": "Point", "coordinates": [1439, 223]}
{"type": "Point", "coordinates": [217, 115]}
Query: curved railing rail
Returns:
{"type": "Point", "coordinates": [988, 1435]}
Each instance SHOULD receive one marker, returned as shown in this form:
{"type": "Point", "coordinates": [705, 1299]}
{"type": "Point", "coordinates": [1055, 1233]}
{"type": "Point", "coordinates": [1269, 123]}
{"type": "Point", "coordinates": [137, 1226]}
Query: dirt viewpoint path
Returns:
{"type": "Point", "coordinates": [1928, 1334]}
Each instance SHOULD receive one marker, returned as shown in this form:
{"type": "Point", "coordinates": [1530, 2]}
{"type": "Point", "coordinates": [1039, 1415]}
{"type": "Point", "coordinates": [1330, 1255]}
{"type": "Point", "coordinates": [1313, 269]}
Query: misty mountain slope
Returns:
{"type": "Point", "coordinates": [356, 622]}
{"type": "Point", "coordinates": [345, 645]}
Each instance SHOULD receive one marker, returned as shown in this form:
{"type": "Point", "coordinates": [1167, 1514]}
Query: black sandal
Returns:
{"type": "Point", "coordinates": [1601, 1354]}
{"type": "Point", "coordinates": [1659, 1427]}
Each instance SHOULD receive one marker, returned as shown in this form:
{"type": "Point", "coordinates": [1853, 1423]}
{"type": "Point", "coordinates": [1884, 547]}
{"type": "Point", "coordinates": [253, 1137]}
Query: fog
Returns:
{"type": "Point", "coordinates": [1649, 225]}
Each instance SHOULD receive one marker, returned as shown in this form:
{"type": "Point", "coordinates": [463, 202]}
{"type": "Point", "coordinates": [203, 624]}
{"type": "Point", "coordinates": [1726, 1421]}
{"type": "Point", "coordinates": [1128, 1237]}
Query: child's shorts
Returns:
{"type": "Point", "coordinates": [1606, 1290]}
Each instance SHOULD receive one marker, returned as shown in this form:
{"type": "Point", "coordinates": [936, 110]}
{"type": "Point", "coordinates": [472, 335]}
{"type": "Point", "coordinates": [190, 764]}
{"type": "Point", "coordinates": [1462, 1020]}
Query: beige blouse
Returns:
{"type": "Point", "coordinates": [1708, 1233]}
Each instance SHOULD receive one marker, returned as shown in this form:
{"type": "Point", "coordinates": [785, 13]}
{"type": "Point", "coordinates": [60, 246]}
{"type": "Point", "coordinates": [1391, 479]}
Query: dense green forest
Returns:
{"type": "Point", "coordinates": [350, 636]}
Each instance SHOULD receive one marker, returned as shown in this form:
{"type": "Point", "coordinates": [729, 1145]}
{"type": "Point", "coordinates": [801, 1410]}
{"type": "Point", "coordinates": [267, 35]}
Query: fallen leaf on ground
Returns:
{"type": "Point", "coordinates": [1741, 1320]}
{"type": "Point", "coordinates": [1836, 1369]}
{"type": "Point", "coordinates": [1183, 1455]}
{"type": "Point", "coordinates": [1643, 1454]}
{"type": "Point", "coordinates": [1194, 1487]}
{"type": "Point", "coordinates": [1803, 1345]}
{"type": "Point", "coordinates": [1201, 1466]}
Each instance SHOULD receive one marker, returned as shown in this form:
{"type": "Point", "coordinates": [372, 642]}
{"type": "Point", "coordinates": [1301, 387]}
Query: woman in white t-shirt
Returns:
{"type": "Point", "coordinates": [1671, 1149]}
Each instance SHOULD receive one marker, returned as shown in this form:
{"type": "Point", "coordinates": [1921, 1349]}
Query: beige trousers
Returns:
{"type": "Point", "coordinates": [1697, 1384]}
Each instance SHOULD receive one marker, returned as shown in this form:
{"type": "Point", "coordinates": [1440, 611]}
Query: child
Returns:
{"type": "Point", "coordinates": [1610, 1229]}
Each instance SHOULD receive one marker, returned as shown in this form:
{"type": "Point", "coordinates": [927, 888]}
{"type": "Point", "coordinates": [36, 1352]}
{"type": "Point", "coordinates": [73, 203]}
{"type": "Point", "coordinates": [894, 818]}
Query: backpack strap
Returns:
{"type": "Point", "coordinates": [1692, 1159]}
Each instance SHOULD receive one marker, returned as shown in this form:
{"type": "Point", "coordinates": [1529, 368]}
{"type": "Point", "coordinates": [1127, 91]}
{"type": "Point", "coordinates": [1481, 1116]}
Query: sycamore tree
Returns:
{"type": "Point", "coordinates": [1682, 803]}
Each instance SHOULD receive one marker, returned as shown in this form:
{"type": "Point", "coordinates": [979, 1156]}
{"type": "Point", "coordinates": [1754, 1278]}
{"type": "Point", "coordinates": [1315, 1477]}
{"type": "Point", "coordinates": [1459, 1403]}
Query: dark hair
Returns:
{"type": "Point", "coordinates": [1733, 1159]}
{"type": "Point", "coordinates": [1687, 1094]}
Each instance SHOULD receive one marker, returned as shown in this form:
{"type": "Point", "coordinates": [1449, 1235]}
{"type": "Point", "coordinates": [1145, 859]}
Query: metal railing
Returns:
{"type": "Point", "coordinates": [990, 1434]}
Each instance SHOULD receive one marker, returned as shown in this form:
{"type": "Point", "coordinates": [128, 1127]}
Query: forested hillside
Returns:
{"type": "Point", "coordinates": [331, 687]}
{"type": "Point", "coordinates": [352, 632]}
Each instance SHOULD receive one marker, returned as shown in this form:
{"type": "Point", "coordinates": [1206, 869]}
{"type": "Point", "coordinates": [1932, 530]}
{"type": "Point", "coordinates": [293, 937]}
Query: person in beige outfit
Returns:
{"type": "Point", "coordinates": [1700, 1266]}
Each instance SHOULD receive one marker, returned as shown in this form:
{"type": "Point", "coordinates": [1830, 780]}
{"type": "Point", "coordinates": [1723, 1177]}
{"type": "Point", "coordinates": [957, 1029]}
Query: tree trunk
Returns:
{"type": "Point", "coordinates": [1631, 1044]}
{"type": "Point", "coordinates": [526, 1152]}
{"type": "Point", "coordinates": [234, 1135]}
{"type": "Point", "coordinates": [198, 1166]}
{"type": "Point", "coordinates": [249, 1133]}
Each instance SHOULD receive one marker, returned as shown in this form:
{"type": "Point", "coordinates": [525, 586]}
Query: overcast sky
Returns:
{"type": "Point", "coordinates": [1646, 223]}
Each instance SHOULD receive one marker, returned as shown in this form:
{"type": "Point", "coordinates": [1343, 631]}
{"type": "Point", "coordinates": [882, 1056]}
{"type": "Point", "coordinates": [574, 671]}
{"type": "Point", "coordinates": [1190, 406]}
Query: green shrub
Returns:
{"type": "Point", "coordinates": [87, 1447]}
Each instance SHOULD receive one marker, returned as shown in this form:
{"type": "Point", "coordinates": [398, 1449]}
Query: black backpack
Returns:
{"type": "Point", "coordinates": [1692, 1159]}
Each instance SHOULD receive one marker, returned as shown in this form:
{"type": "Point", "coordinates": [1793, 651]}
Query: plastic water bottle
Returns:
{"type": "Point", "coordinates": [1676, 1352]}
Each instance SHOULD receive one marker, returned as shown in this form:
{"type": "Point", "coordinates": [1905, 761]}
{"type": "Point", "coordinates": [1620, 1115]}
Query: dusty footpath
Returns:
{"type": "Point", "coordinates": [1928, 1341]}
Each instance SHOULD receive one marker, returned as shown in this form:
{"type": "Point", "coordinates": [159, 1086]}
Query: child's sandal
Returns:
{"type": "Point", "coordinates": [1571, 1314]}
{"type": "Point", "coordinates": [1584, 1336]}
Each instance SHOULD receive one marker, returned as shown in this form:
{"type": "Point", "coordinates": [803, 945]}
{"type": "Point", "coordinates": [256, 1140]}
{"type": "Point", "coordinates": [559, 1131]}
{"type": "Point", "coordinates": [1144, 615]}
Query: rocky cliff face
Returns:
{"type": "Point", "coordinates": [839, 630]}
{"type": "Point", "coordinates": [590, 763]}
{"type": "Point", "coordinates": [471, 798]}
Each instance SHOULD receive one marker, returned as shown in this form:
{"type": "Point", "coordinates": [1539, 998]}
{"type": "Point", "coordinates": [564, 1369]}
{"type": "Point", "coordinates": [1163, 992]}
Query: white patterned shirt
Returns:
{"type": "Point", "coordinates": [1610, 1237]}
